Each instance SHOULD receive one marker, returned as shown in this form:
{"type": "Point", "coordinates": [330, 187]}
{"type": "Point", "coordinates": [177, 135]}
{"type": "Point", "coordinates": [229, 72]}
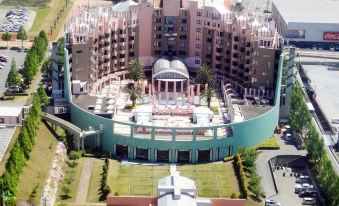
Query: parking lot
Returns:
{"type": "Point", "coordinates": [27, 20]}
{"type": "Point", "coordinates": [5, 137]}
{"type": "Point", "coordinates": [19, 59]}
{"type": "Point", "coordinates": [286, 186]}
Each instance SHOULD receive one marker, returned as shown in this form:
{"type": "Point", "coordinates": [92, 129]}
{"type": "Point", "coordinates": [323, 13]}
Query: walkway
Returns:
{"type": "Point", "coordinates": [81, 196]}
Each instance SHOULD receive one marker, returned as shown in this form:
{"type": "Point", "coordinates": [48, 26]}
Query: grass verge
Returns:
{"type": "Point", "coordinates": [37, 168]}
{"type": "Point", "coordinates": [270, 144]}
{"type": "Point", "coordinates": [94, 184]}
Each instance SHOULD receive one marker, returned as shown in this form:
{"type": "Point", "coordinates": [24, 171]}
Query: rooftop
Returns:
{"type": "Point", "coordinates": [10, 111]}
{"type": "Point", "coordinates": [309, 11]}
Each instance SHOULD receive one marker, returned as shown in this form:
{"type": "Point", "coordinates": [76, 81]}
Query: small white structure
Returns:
{"type": "Point", "coordinates": [176, 190]}
{"type": "Point", "coordinates": [11, 116]}
{"type": "Point", "coordinates": [79, 87]}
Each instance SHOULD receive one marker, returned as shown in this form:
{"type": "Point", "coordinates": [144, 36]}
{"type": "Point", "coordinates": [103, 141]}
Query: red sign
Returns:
{"type": "Point", "coordinates": [333, 36]}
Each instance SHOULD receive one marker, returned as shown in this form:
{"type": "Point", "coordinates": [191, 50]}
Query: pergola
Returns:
{"type": "Point", "coordinates": [172, 73]}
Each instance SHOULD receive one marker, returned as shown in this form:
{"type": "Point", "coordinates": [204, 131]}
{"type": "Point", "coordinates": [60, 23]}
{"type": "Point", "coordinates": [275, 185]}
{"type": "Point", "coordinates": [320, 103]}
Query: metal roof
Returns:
{"type": "Point", "coordinates": [170, 70]}
{"type": "Point", "coordinates": [124, 6]}
{"type": "Point", "coordinates": [10, 111]}
{"type": "Point", "coordinates": [308, 11]}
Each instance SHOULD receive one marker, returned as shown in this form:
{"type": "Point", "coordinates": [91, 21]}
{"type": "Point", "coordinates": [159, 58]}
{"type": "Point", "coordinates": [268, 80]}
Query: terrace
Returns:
{"type": "Point", "coordinates": [171, 106]}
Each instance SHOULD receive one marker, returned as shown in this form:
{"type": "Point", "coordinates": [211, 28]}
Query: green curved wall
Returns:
{"type": "Point", "coordinates": [245, 134]}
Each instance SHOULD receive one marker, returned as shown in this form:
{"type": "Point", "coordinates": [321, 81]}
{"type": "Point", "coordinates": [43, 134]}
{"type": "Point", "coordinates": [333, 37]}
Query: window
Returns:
{"type": "Point", "coordinates": [198, 30]}
{"type": "Point", "coordinates": [197, 37]}
{"type": "Point", "coordinates": [197, 61]}
{"type": "Point", "coordinates": [79, 51]}
{"type": "Point", "coordinates": [198, 21]}
{"type": "Point", "coordinates": [197, 46]}
{"type": "Point", "coordinates": [197, 54]}
{"type": "Point", "coordinates": [2, 120]}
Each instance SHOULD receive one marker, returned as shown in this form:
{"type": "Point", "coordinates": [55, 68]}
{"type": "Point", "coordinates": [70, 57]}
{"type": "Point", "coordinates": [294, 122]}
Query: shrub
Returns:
{"type": "Point", "coordinates": [238, 167]}
{"type": "Point", "coordinates": [233, 196]}
{"type": "Point", "coordinates": [227, 159]}
{"type": "Point", "coordinates": [116, 194]}
{"type": "Point", "coordinates": [74, 155]}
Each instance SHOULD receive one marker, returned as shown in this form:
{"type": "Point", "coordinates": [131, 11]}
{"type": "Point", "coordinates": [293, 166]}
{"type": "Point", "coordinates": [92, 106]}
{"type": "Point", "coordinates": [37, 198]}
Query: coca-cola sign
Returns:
{"type": "Point", "coordinates": [333, 36]}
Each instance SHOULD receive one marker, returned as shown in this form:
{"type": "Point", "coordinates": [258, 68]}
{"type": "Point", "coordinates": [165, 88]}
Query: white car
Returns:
{"type": "Point", "coordinates": [299, 187]}
{"type": "Point", "coordinates": [272, 203]}
{"type": "Point", "coordinates": [332, 48]}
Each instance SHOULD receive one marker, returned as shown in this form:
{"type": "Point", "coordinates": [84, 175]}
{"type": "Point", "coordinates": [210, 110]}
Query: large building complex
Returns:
{"type": "Point", "coordinates": [172, 39]}
{"type": "Point", "coordinates": [308, 22]}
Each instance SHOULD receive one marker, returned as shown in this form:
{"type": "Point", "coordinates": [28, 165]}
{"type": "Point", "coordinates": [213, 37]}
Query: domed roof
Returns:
{"type": "Point", "coordinates": [164, 69]}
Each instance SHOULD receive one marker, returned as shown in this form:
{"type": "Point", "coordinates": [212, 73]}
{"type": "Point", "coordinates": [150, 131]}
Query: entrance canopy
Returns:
{"type": "Point", "coordinates": [170, 70]}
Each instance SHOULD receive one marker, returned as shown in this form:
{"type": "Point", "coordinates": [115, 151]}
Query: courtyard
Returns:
{"type": "Point", "coordinates": [212, 180]}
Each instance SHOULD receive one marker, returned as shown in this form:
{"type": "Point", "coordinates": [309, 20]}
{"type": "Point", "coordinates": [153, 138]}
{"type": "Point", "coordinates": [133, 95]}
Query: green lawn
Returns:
{"type": "Point", "coordinates": [45, 17]}
{"type": "Point", "coordinates": [143, 180]}
{"type": "Point", "coordinates": [37, 168]}
{"type": "Point", "coordinates": [30, 3]}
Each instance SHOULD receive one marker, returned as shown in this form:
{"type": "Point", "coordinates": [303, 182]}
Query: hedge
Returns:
{"type": "Point", "coordinates": [239, 171]}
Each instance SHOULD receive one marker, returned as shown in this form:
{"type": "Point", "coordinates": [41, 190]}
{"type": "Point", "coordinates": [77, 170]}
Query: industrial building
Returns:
{"type": "Point", "coordinates": [308, 23]}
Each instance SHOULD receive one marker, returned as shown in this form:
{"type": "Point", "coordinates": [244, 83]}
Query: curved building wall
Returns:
{"type": "Point", "coordinates": [245, 134]}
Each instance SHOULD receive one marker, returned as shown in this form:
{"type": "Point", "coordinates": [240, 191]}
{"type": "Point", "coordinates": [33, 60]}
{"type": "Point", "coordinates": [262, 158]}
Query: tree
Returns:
{"type": "Point", "coordinates": [205, 75]}
{"type": "Point", "coordinates": [9, 198]}
{"type": "Point", "coordinates": [134, 94]}
{"type": "Point", "coordinates": [208, 93]}
{"type": "Point", "coordinates": [6, 37]}
{"type": "Point", "coordinates": [22, 35]}
{"type": "Point", "coordinates": [135, 70]}
{"type": "Point", "coordinates": [61, 46]}
{"type": "Point", "coordinates": [43, 96]}
{"type": "Point", "coordinates": [13, 78]}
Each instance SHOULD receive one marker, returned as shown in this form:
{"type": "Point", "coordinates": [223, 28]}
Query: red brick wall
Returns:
{"type": "Point", "coordinates": [130, 201]}
{"type": "Point", "coordinates": [228, 202]}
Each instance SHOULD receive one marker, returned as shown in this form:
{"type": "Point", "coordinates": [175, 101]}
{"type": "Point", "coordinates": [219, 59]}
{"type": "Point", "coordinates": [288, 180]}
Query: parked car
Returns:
{"type": "Point", "coordinates": [14, 89]}
{"type": "Point", "coordinates": [299, 187]}
{"type": "Point", "coordinates": [309, 201]}
{"type": "Point", "coordinates": [303, 179]}
{"type": "Point", "coordinates": [315, 47]}
{"type": "Point", "coordinates": [272, 203]}
{"type": "Point", "coordinates": [332, 48]}
{"type": "Point", "coordinates": [311, 192]}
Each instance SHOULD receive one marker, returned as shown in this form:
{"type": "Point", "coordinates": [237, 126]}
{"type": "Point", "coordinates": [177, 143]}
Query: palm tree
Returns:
{"type": "Point", "coordinates": [205, 75]}
{"type": "Point", "coordinates": [135, 70]}
{"type": "Point", "coordinates": [208, 93]}
{"type": "Point", "coordinates": [134, 94]}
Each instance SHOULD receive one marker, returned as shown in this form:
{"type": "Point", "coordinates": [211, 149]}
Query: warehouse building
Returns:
{"type": "Point", "coordinates": [308, 23]}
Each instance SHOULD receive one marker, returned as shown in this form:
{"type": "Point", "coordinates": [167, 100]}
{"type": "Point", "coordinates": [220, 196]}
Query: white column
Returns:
{"type": "Point", "coordinates": [166, 92]}
{"type": "Point", "coordinates": [175, 92]}
{"type": "Point", "coordinates": [182, 86]}
{"type": "Point", "coordinates": [159, 85]}
{"type": "Point", "coordinates": [198, 93]}
{"type": "Point", "coordinates": [143, 92]}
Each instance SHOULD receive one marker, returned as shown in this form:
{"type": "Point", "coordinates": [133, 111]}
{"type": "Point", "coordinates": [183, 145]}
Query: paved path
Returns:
{"type": "Point", "coordinates": [81, 196]}
{"type": "Point", "coordinates": [263, 167]}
